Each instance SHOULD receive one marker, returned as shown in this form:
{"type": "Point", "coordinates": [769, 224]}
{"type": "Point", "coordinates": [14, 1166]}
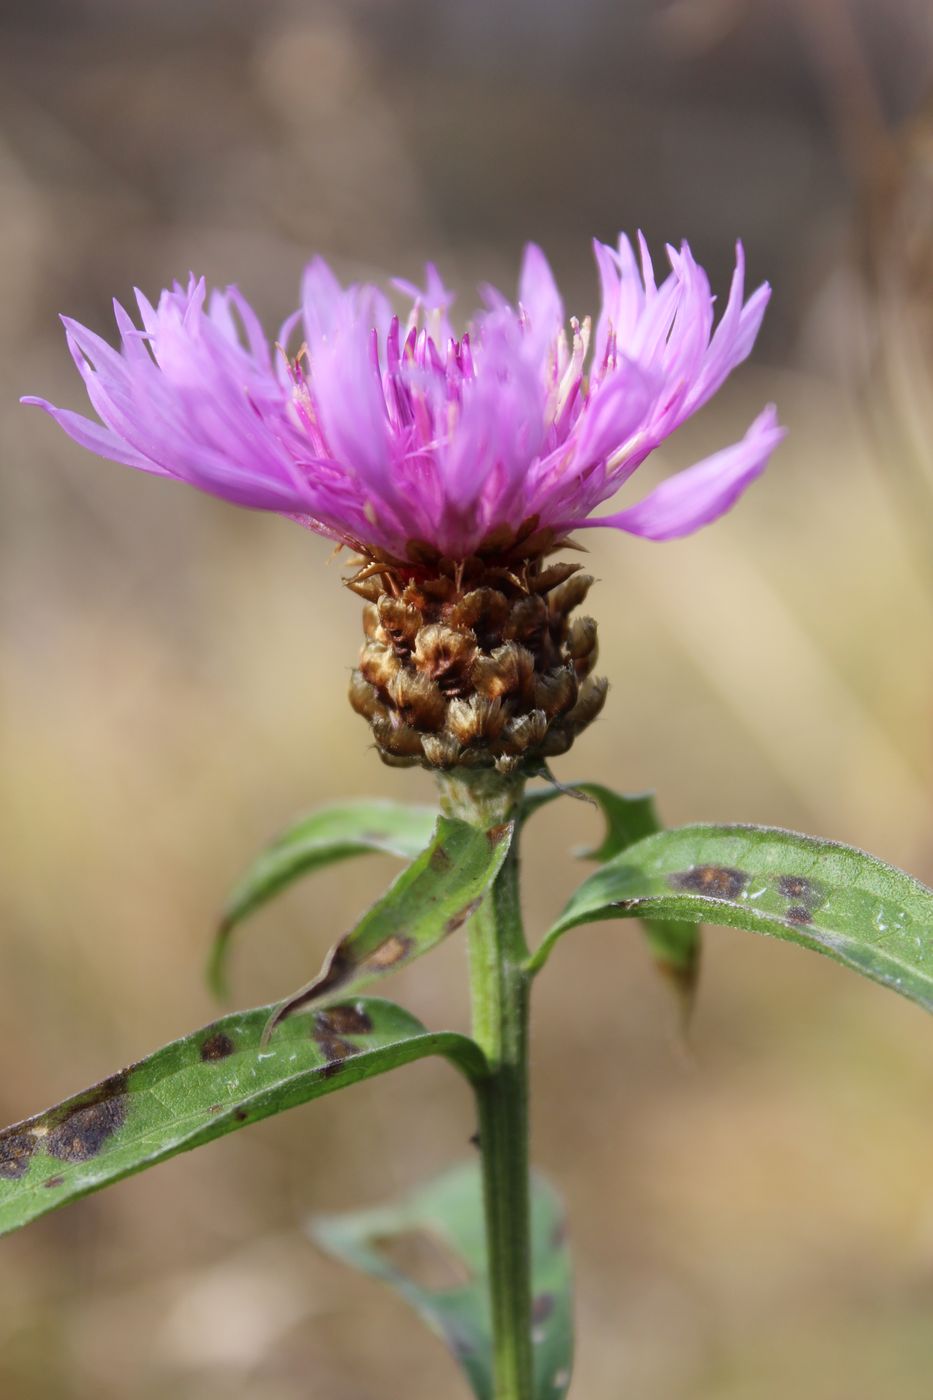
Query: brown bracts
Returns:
{"type": "Point", "coordinates": [479, 665]}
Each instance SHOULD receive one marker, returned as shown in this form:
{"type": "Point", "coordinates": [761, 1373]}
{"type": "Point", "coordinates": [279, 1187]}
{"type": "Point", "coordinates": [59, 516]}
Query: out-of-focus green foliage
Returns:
{"type": "Point", "coordinates": [431, 1248]}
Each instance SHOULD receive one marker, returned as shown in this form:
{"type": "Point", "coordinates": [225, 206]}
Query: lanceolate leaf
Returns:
{"type": "Point", "coordinates": [431, 1248]}
{"type": "Point", "coordinates": [674, 943]}
{"type": "Point", "coordinates": [430, 900]}
{"type": "Point", "coordinates": [318, 839]}
{"type": "Point", "coordinates": [201, 1087]}
{"type": "Point", "coordinates": [825, 896]}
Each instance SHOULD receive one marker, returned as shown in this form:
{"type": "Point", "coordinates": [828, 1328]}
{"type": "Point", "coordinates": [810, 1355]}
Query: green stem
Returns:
{"type": "Point", "coordinates": [499, 988]}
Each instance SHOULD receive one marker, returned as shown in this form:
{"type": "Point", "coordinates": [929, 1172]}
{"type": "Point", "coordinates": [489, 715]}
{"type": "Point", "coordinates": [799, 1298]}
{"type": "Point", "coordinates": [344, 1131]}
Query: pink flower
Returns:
{"type": "Point", "coordinates": [396, 436]}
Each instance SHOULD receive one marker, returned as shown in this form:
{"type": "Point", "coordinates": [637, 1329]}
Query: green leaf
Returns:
{"type": "Point", "coordinates": [820, 894]}
{"type": "Point", "coordinates": [430, 900]}
{"type": "Point", "coordinates": [628, 819]}
{"type": "Point", "coordinates": [201, 1087]}
{"type": "Point", "coordinates": [675, 944]}
{"type": "Point", "coordinates": [431, 1248]}
{"type": "Point", "coordinates": [321, 838]}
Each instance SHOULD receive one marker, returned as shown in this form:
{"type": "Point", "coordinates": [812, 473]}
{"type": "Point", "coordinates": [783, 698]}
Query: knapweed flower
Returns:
{"type": "Point", "coordinates": [450, 463]}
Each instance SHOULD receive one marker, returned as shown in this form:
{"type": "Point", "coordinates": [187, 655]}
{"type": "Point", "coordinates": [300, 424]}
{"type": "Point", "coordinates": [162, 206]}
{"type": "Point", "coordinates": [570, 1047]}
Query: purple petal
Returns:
{"type": "Point", "coordinates": [434, 297]}
{"type": "Point", "coordinates": [609, 288]}
{"type": "Point", "coordinates": [133, 340]}
{"type": "Point", "coordinates": [91, 435]}
{"type": "Point", "coordinates": [647, 267]}
{"type": "Point", "coordinates": [255, 335]}
{"type": "Point", "coordinates": [322, 299]}
{"type": "Point", "coordinates": [539, 297]}
{"type": "Point", "coordinates": [352, 407]}
{"type": "Point", "coordinates": [614, 412]}
{"type": "Point", "coordinates": [379, 436]}
{"type": "Point", "coordinates": [733, 338]}
{"type": "Point", "coordinates": [702, 493]}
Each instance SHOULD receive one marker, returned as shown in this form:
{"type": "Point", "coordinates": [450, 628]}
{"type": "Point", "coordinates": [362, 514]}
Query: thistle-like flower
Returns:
{"type": "Point", "coordinates": [451, 465]}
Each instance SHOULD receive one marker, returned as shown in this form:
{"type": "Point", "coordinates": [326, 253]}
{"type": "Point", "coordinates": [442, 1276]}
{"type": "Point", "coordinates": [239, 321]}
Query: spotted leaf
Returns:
{"type": "Point", "coordinates": [321, 838]}
{"type": "Point", "coordinates": [431, 1248]}
{"type": "Point", "coordinates": [200, 1087]}
{"type": "Point", "coordinates": [825, 896]}
{"type": "Point", "coordinates": [430, 900]}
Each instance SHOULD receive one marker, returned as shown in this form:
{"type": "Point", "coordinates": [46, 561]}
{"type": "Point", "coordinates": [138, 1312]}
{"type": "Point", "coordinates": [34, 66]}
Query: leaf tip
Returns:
{"type": "Point", "coordinates": [215, 972]}
{"type": "Point", "coordinates": [683, 979]}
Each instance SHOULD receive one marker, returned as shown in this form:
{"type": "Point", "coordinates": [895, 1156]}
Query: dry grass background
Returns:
{"type": "Point", "coordinates": [752, 1217]}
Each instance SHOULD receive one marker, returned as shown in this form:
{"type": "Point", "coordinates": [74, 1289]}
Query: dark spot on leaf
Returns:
{"type": "Point", "coordinates": [799, 888]}
{"type": "Point", "coordinates": [335, 1051]}
{"type": "Point", "coordinates": [495, 834]}
{"type": "Point", "coordinates": [459, 919]}
{"type": "Point", "coordinates": [15, 1152]}
{"type": "Point", "coordinates": [542, 1307]}
{"type": "Point", "coordinates": [54, 1181]}
{"type": "Point", "coordinates": [342, 1020]}
{"type": "Point", "coordinates": [716, 881]}
{"type": "Point", "coordinates": [559, 1234]}
{"type": "Point", "coordinates": [389, 952]}
{"type": "Point", "coordinates": [85, 1126]}
{"type": "Point", "coordinates": [440, 860]}
{"type": "Point", "coordinates": [240, 1115]}
{"type": "Point", "coordinates": [799, 914]}
{"type": "Point", "coordinates": [217, 1047]}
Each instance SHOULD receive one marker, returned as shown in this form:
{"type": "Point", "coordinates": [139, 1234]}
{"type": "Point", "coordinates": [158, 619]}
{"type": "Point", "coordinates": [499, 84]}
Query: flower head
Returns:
{"type": "Point", "coordinates": [407, 441]}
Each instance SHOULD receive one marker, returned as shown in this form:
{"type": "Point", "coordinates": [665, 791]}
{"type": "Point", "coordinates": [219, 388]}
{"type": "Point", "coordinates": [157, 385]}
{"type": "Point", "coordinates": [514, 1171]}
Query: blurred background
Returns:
{"type": "Point", "coordinates": [753, 1211]}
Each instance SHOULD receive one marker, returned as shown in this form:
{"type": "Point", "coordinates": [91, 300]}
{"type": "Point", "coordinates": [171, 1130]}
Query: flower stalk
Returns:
{"type": "Point", "coordinates": [499, 997]}
{"type": "Point", "coordinates": [499, 990]}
